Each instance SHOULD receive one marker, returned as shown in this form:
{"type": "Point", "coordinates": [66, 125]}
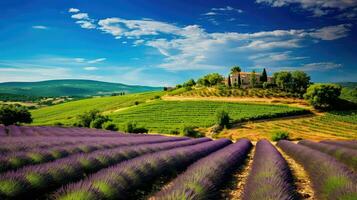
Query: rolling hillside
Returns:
{"type": "Point", "coordinates": [55, 88]}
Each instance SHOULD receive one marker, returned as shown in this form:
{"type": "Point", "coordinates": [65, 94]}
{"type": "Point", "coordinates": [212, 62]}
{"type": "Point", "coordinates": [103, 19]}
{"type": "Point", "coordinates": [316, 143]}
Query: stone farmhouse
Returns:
{"type": "Point", "coordinates": [246, 78]}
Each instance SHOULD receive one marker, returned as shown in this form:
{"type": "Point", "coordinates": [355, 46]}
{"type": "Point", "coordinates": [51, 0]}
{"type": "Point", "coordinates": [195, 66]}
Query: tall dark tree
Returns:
{"type": "Point", "coordinates": [229, 83]}
{"type": "Point", "coordinates": [264, 77]}
{"type": "Point", "coordinates": [239, 80]}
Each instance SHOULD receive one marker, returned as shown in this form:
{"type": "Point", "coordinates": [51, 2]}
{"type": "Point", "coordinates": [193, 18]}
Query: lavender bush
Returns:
{"type": "Point", "coordinates": [119, 181]}
{"type": "Point", "coordinates": [345, 155]}
{"type": "Point", "coordinates": [330, 179]}
{"type": "Point", "coordinates": [202, 179]}
{"type": "Point", "coordinates": [347, 144]}
{"type": "Point", "coordinates": [33, 180]}
{"type": "Point", "coordinates": [270, 177]}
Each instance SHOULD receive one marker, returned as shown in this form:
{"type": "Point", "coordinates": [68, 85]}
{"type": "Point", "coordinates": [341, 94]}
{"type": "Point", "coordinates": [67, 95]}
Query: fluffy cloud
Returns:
{"type": "Point", "coordinates": [73, 10]}
{"type": "Point", "coordinates": [318, 7]}
{"type": "Point", "coordinates": [97, 60]}
{"type": "Point", "coordinates": [40, 27]}
{"type": "Point", "coordinates": [192, 47]}
{"type": "Point", "coordinates": [80, 16]}
{"type": "Point", "coordinates": [83, 19]}
{"type": "Point", "coordinates": [90, 68]}
{"type": "Point", "coordinates": [86, 24]}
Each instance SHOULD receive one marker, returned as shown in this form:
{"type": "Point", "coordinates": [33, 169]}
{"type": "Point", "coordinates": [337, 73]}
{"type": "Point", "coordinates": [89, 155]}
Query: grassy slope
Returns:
{"type": "Point", "coordinates": [69, 88]}
{"type": "Point", "coordinates": [332, 125]}
{"type": "Point", "coordinates": [166, 116]}
{"type": "Point", "coordinates": [349, 91]}
{"type": "Point", "coordinates": [66, 112]}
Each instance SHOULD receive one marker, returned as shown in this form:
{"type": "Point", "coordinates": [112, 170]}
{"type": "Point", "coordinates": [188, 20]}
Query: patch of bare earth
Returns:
{"type": "Point", "coordinates": [235, 188]}
{"type": "Point", "coordinates": [301, 178]}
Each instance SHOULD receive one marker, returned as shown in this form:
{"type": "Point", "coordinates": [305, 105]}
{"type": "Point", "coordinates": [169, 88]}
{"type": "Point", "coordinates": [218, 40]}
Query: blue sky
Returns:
{"type": "Point", "coordinates": [160, 42]}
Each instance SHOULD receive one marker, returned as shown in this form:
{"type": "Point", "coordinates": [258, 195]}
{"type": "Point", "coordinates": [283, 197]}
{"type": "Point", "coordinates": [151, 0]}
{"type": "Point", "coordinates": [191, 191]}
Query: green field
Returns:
{"type": "Point", "coordinates": [158, 115]}
{"type": "Point", "coordinates": [66, 112]}
{"type": "Point", "coordinates": [167, 116]}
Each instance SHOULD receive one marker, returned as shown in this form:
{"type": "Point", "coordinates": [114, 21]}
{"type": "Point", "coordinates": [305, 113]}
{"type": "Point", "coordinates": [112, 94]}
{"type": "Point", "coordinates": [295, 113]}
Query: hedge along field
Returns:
{"type": "Point", "coordinates": [168, 116]}
{"type": "Point", "coordinates": [67, 112]}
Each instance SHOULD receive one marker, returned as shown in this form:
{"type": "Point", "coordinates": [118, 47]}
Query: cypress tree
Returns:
{"type": "Point", "coordinates": [264, 77]}
{"type": "Point", "coordinates": [239, 81]}
{"type": "Point", "coordinates": [229, 81]}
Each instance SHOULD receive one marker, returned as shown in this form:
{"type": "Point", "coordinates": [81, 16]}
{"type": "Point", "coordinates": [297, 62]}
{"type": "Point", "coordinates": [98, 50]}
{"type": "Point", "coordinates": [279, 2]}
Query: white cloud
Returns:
{"type": "Point", "coordinates": [80, 16]}
{"type": "Point", "coordinates": [192, 47]}
{"type": "Point", "coordinates": [40, 27]}
{"type": "Point", "coordinates": [318, 7]}
{"type": "Point", "coordinates": [73, 10]}
{"type": "Point", "coordinates": [86, 24]}
{"type": "Point", "coordinates": [332, 32]}
{"type": "Point", "coordinates": [97, 60]}
{"type": "Point", "coordinates": [90, 68]}
{"type": "Point", "coordinates": [227, 8]}
{"type": "Point", "coordinates": [210, 13]}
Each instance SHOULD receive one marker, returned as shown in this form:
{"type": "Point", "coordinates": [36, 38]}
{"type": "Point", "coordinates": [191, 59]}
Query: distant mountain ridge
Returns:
{"type": "Point", "coordinates": [71, 87]}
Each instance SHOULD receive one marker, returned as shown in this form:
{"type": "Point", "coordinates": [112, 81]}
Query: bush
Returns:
{"type": "Point", "coordinates": [222, 118]}
{"type": "Point", "coordinates": [280, 135]}
{"type": "Point", "coordinates": [189, 131]}
{"type": "Point", "coordinates": [109, 126]}
{"type": "Point", "coordinates": [130, 127]}
{"type": "Point", "coordinates": [13, 114]}
{"type": "Point", "coordinates": [99, 121]}
{"type": "Point", "coordinates": [323, 96]}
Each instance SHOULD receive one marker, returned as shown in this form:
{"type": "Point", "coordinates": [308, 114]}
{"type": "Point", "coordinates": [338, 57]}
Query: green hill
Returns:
{"type": "Point", "coordinates": [80, 88]}
{"type": "Point", "coordinates": [349, 91]}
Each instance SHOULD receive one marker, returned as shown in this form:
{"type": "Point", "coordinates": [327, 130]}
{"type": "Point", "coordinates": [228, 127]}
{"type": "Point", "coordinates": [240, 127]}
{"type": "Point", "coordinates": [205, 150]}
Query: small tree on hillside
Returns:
{"type": "Point", "coordinates": [323, 96]}
{"type": "Point", "coordinates": [189, 83]}
{"type": "Point", "coordinates": [264, 77]}
{"type": "Point", "coordinates": [222, 118]}
{"type": "Point", "coordinates": [13, 114]}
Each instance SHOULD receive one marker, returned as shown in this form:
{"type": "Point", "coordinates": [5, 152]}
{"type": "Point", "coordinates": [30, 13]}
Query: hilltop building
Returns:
{"type": "Point", "coordinates": [245, 78]}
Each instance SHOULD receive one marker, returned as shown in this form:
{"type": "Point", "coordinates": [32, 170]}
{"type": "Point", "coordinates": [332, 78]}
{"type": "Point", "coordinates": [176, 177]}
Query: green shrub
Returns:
{"type": "Point", "coordinates": [323, 96]}
{"type": "Point", "coordinates": [280, 135]}
{"type": "Point", "coordinates": [99, 121]}
{"type": "Point", "coordinates": [130, 127]}
{"type": "Point", "coordinates": [13, 114]}
{"type": "Point", "coordinates": [189, 131]}
{"type": "Point", "coordinates": [222, 118]}
{"type": "Point", "coordinates": [109, 126]}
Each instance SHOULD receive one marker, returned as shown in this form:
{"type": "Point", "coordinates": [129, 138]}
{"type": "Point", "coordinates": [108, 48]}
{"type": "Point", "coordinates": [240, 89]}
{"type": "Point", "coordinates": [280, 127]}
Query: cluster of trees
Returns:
{"type": "Point", "coordinates": [14, 114]}
{"type": "Point", "coordinates": [294, 82]}
{"type": "Point", "coordinates": [323, 96]}
{"type": "Point", "coordinates": [94, 119]}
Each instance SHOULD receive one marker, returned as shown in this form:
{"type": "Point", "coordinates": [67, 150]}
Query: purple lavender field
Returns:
{"type": "Point", "coordinates": [89, 164]}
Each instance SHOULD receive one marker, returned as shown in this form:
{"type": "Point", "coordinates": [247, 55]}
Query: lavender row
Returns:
{"type": "Point", "coordinates": [202, 179]}
{"type": "Point", "coordinates": [270, 177]}
{"type": "Point", "coordinates": [58, 131]}
{"type": "Point", "coordinates": [21, 159]}
{"type": "Point", "coordinates": [32, 181]}
{"type": "Point", "coordinates": [330, 178]}
{"type": "Point", "coordinates": [26, 144]}
{"type": "Point", "coordinates": [346, 144]}
{"type": "Point", "coordinates": [18, 160]}
{"type": "Point", "coordinates": [345, 155]}
{"type": "Point", "coordinates": [120, 181]}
